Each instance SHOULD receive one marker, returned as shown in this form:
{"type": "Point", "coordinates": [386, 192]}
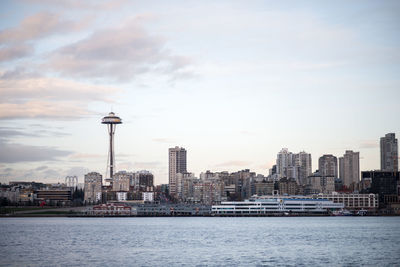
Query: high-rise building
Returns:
{"type": "Point", "coordinates": [303, 163]}
{"type": "Point", "coordinates": [180, 183]}
{"type": "Point", "coordinates": [92, 188]}
{"type": "Point", "coordinates": [284, 161]}
{"type": "Point", "coordinates": [327, 165]}
{"type": "Point", "coordinates": [121, 181]}
{"type": "Point", "coordinates": [296, 166]}
{"type": "Point", "coordinates": [177, 164]}
{"type": "Point", "coordinates": [349, 168]}
{"type": "Point", "coordinates": [389, 153]}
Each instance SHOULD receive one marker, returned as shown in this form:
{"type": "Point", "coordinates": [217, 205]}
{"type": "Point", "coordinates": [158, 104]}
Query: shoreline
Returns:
{"type": "Point", "coordinates": [69, 215]}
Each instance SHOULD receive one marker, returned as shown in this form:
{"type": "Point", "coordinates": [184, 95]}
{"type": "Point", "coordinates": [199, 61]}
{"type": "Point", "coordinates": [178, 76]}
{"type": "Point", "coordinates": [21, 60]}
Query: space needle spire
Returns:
{"type": "Point", "coordinates": [111, 120]}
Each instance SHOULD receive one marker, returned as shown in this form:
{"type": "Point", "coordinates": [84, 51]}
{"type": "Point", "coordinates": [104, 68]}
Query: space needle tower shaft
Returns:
{"type": "Point", "coordinates": [111, 120]}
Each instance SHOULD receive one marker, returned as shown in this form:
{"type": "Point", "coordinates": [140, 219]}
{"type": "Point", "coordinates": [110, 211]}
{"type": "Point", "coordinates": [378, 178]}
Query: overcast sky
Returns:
{"type": "Point", "coordinates": [233, 82]}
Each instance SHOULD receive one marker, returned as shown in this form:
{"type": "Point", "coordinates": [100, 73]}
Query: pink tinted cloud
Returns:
{"type": "Point", "coordinates": [41, 97]}
{"type": "Point", "coordinates": [38, 26]}
{"type": "Point", "coordinates": [118, 53]}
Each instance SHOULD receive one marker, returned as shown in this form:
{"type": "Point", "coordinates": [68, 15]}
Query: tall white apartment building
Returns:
{"type": "Point", "coordinates": [291, 165]}
{"type": "Point", "coordinates": [177, 164]}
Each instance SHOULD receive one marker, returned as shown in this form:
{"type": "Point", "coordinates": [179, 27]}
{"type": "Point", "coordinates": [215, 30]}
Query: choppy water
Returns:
{"type": "Point", "coordinates": [283, 241]}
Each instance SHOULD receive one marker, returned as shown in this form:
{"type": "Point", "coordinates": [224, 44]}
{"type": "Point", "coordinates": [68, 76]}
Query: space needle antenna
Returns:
{"type": "Point", "coordinates": [111, 120]}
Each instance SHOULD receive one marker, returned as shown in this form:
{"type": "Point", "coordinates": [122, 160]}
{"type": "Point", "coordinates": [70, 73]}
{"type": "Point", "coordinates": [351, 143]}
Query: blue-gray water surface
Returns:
{"type": "Point", "coordinates": [198, 241]}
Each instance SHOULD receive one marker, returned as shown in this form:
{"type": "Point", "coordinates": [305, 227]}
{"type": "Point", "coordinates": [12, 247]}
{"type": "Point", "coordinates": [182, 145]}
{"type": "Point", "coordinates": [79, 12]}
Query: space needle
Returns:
{"type": "Point", "coordinates": [111, 120]}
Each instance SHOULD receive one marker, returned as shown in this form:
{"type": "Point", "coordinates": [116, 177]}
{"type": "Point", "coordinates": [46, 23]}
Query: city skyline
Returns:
{"type": "Point", "coordinates": [233, 90]}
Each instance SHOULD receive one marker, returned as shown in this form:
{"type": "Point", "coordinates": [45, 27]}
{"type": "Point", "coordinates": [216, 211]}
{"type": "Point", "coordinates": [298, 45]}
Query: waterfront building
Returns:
{"type": "Point", "coordinates": [93, 187]}
{"type": "Point", "coordinates": [352, 201]}
{"type": "Point", "coordinates": [242, 181]}
{"type": "Point", "coordinates": [180, 184]}
{"type": "Point", "coordinates": [349, 168]}
{"type": "Point", "coordinates": [12, 194]}
{"type": "Point", "coordinates": [143, 179]}
{"type": "Point", "coordinates": [54, 195]}
{"type": "Point", "coordinates": [208, 192]}
{"type": "Point", "coordinates": [188, 189]}
{"type": "Point", "coordinates": [264, 188]}
{"type": "Point", "coordinates": [110, 210]}
{"type": "Point", "coordinates": [316, 183]}
{"type": "Point", "coordinates": [275, 205]}
{"type": "Point", "coordinates": [288, 186]}
{"type": "Point", "coordinates": [150, 209]}
{"type": "Point", "coordinates": [328, 166]}
{"type": "Point", "coordinates": [384, 183]}
{"type": "Point", "coordinates": [389, 153]}
{"type": "Point", "coordinates": [212, 192]}
{"type": "Point", "coordinates": [121, 196]}
{"type": "Point", "coordinates": [121, 181]}
{"type": "Point", "coordinates": [177, 164]}
{"type": "Point", "coordinates": [148, 196]}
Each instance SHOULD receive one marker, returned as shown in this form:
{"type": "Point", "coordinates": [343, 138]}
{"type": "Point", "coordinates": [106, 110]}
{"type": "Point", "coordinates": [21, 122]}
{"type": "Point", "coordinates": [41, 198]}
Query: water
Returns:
{"type": "Point", "coordinates": [191, 241]}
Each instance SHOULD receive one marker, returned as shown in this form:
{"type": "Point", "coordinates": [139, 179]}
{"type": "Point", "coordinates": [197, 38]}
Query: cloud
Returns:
{"type": "Point", "coordinates": [13, 153]}
{"type": "Point", "coordinates": [43, 174]}
{"type": "Point", "coordinates": [11, 132]}
{"type": "Point", "coordinates": [16, 42]}
{"type": "Point", "coordinates": [245, 132]}
{"type": "Point", "coordinates": [15, 52]}
{"type": "Point", "coordinates": [26, 96]}
{"type": "Point", "coordinates": [147, 165]}
{"type": "Point", "coordinates": [41, 168]}
{"type": "Point", "coordinates": [164, 140]}
{"type": "Point", "coordinates": [233, 163]}
{"type": "Point", "coordinates": [43, 110]}
{"type": "Point", "coordinates": [86, 156]}
{"type": "Point", "coordinates": [78, 4]}
{"type": "Point", "coordinates": [140, 165]}
{"type": "Point", "coordinates": [6, 132]}
{"type": "Point", "coordinates": [37, 26]}
{"type": "Point", "coordinates": [119, 53]}
{"type": "Point", "coordinates": [369, 144]}
{"type": "Point", "coordinates": [78, 171]}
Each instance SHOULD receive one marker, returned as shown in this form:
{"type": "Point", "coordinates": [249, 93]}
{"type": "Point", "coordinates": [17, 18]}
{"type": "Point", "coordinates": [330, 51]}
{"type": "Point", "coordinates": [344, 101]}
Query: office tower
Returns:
{"type": "Point", "coordinates": [92, 187]}
{"type": "Point", "coordinates": [389, 153]}
{"type": "Point", "coordinates": [177, 164]}
{"type": "Point", "coordinates": [327, 165]}
{"type": "Point", "coordinates": [349, 168]}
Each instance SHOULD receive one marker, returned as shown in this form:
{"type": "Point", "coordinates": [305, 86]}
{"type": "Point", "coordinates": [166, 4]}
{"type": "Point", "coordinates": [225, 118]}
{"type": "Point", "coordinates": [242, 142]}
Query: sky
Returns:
{"type": "Point", "coordinates": [233, 82]}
